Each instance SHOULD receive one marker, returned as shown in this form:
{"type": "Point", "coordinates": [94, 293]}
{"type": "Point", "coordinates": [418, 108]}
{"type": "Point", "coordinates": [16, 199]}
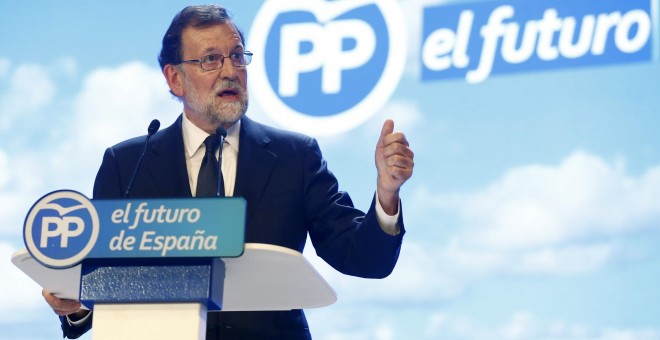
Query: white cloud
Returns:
{"type": "Point", "coordinates": [581, 199]}
{"type": "Point", "coordinates": [405, 114]}
{"type": "Point", "coordinates": [521, 326]}
{"type": "Point", "coordinates": [4, 67]}
{"type": "Point", "coordinates": [635, 334]}
{"type": "Point", "coordinates": [4, 169]}
{"type": "Point", "coordinates": [422, 275]}
{"type": "Point", "coordinates": [30, 89]}
{"type": "Point", "coordinates": [20, 185]}
{"type": "Point", "coordinates": [428, 274]}
{"type": "Point", "coordinates": [117, 104]}
{"type": "Point", "coordinates": [547, 219]}
{"type": "Point", "coordinates": [565, 260]}
{"type": "Point", "coordinates": [435, 323]}
{"type": "Point", "coordinates": [526, 325]}
{"type": "Point", "coordinates": [67, 66]}
{"type": "Point", "coordinates": [473, 262]}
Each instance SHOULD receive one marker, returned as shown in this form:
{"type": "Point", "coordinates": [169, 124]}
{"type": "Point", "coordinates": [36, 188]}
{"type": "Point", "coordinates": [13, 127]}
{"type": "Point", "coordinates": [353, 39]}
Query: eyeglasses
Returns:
{"type": "Point", "coordinates": [213, 62]}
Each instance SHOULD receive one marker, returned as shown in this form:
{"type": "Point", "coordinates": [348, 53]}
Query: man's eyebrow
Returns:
{"type": "Point", "coordinates": [212, 50]}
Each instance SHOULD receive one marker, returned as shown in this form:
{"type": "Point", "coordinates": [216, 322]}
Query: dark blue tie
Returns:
{"type": "Point", "coordinates": [208, 184]}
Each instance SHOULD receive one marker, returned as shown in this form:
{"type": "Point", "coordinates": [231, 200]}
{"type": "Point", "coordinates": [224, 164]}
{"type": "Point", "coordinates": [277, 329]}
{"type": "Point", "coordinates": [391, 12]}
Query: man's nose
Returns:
{"type": "Point", "coordinates": [228, 70]}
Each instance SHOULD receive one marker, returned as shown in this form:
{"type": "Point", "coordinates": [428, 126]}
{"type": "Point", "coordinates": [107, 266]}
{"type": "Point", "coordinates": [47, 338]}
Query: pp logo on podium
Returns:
{"type": "Point", "coordinates": [61, 229]}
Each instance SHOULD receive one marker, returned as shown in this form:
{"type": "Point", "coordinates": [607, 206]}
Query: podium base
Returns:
{"type": "Point", "coordinates": [149, 321]}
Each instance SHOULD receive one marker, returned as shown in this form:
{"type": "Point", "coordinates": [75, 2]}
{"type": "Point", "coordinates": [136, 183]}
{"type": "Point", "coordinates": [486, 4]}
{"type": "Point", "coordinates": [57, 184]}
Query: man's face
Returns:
{"type": "Point", "coordinates": [219, 97]}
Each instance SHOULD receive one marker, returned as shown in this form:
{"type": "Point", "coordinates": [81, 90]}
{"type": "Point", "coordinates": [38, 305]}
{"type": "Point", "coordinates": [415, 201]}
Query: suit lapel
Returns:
{"type": "Point", "coordinates": [255, 164]}
{"type": "Point", "coordinates": [167, 163]}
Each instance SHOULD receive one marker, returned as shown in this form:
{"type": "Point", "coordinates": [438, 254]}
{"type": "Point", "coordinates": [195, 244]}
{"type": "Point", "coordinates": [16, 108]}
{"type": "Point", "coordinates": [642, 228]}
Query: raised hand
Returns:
{"type": "Point", "coordinates": [394, 161]}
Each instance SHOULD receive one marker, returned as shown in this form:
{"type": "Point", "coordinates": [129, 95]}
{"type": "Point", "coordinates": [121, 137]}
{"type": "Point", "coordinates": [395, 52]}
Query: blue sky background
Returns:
{"type": "Point", "coordinates": [533, 212]}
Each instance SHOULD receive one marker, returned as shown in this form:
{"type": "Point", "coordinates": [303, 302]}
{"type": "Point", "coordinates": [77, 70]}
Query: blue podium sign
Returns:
{"type": "Point", "coordinates": [64, 227]}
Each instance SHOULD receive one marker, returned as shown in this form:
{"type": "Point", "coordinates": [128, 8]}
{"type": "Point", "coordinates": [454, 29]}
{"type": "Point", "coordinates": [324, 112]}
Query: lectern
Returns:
{"type": "Point", "coordinates": [156, 267]}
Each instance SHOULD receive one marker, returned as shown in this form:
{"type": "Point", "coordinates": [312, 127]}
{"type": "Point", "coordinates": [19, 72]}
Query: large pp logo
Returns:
{"type": "Point", "coordinates": [61, 229]}
{"type": "Point", "coordinates": [325, 67]}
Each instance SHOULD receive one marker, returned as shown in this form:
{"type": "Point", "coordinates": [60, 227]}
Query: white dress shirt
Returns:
{"type": "Point", "coordinates": [193, 143]}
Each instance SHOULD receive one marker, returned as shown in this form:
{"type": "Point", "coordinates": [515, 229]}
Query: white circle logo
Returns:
{"type": "Point", "coordinates": [325, 67]}
{"type": "Point", "coordinates": [61, 229]}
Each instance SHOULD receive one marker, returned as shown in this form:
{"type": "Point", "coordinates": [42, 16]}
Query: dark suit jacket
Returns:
{"type": "Point", "coordinates": [289, 193]}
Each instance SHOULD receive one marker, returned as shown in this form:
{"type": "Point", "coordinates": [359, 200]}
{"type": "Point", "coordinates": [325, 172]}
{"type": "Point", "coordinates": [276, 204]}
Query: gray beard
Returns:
{"type": "Point", "coordinates": [225, 114]}
{"type": "Point", "coordinates": [217, 114]}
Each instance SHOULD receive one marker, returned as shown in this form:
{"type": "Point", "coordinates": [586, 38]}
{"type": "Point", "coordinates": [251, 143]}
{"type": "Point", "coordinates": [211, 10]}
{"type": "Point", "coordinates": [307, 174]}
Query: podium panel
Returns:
{"type": "Point", "coordinates": [265, 277]}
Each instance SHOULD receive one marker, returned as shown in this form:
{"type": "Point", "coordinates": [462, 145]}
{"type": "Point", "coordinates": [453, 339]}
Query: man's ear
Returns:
{"type": "Point", "coordinates": [174, 79]}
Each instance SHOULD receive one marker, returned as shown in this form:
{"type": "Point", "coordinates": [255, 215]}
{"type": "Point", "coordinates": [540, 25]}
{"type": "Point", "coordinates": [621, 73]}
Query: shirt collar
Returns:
{"type": "Point", "coordinates": [193, 137]}
{"type": "Point", "coordinates": [233, 135]}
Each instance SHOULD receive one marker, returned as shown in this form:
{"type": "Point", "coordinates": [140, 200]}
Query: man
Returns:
{"type": "Point", "coordinates": [282, 175]}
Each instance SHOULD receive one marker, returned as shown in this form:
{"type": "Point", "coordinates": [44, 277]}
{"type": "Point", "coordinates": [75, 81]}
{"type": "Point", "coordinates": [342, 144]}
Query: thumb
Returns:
{"type": "Point", "coordinates": [388, 128]}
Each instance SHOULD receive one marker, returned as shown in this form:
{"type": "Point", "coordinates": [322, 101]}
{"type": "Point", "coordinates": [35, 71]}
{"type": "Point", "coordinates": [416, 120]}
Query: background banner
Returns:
{"type": "Point", "coordinates": [534, 208]}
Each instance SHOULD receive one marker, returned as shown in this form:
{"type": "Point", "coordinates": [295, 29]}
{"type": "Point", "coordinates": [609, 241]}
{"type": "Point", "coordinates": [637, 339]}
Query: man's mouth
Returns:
{"type": "Point", "coordinates": [228, 93]}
